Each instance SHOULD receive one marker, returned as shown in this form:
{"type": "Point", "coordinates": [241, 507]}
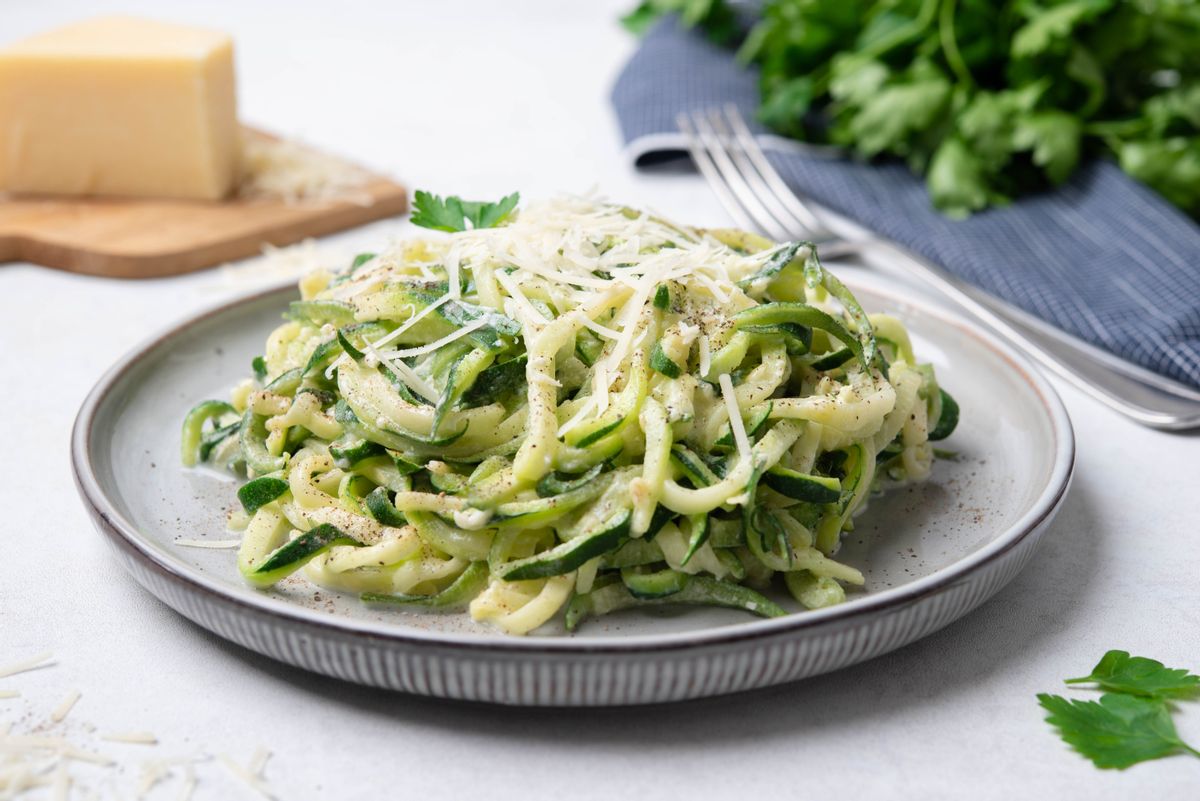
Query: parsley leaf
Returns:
{"type": "Point", "coordinates": [714, 16]}
{"type": "Point", "coordinates": [1119, 672]}
{"type": "Point", "coordinates": [956, 180]}
{"type": "Point", "coordinates": [1171, 166]}
{"type": "Point", "coordinates": [453, 213]}
{"type": "Point", "coordinates": [1053, 136]}
{"type": "Point", "coordinates": [889, 117]}
{"type": "Point", "coordinates": [1117, 731]}
{"type": "Point", "coordinates": [1051, 26]}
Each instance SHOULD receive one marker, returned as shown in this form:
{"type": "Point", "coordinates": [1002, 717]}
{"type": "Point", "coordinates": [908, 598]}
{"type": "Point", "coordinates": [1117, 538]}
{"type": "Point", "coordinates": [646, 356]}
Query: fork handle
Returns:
{"type": "Point", "coordinates": [1146, 397]}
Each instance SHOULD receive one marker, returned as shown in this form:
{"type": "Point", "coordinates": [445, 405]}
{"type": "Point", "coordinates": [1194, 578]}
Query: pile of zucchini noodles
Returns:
{"type": "Point", "coordinates": [587, 408]}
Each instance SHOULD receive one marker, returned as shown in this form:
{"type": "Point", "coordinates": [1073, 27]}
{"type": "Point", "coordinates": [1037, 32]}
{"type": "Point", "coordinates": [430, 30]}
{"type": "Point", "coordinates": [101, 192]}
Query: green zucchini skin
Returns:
{"type": "Point", "coordinates": [253, 438]}
{"type": "Point", "coordinates": [570, 555]}
{"type": "Point", "coordinates": [352, 451]}
{"type": "Point", "coordinates": [804, 315]}
{"type": "Point", "coordinates": [700, 534]}
{"type": "Point", "coordinates": [948, 421]}
{"type": "Point", "coordinates": [633, 553]}
{"type": "Point", "coordinates": [796, 338]}
{"type": "Point", "coordinates": [258, 492]}
{"type": "Point", "coordinates": [647, 586]}
{"type": "Point", "coordinates": [662, 363]}
{"type": "Point", "coordinates": [696, 590]}
{"type": "Point", "coordinates": [359, 261]}
{"type": "Point", "coordinates": [470, 545]}
{"type": "Point", "coordinates": [295, 554]}
{"type": "Point", "coordinates": [469, 583]}
{"type": "Point", "coordinates": [496, 382]}
{"type": "Point", "coordinates": [853, 469]}
{"type": "Point", "coordinates": [551, 485]}
{"type": "Point", "coordinates": [193, 428]}
{"type": "Point", "coordinates": [832, 360]}
{"type": "Point", "coordinates": [211, 439]}
{"type": "Point", "coordinates": [382, 509]}
{"type": "Point", "coordinates": [600, 433]}
{"type": "Point", "coordinates": [545, 509]}
{"type": "Point", "coordinates": [320, 312]}
{"type": "Point", "coordinates": [588, 347]}
{"type": "Point", "coordinates": [776, 264]}
{"type": "Point", "coordinates": [662, 515]}
{"type": "Point", "coordinates": [693, 467]}
{"type": "Point", "coordinates": [753, 427]}
{"type": "Point", "coordinates": [803, 486]}
{"type": "Point", "coordinates": [662, 297]}
{"type": "Point", "coordinates": [287, 383]}
{"type": "Point", "coordinates": [452, 483]}
{"type": "Point", "coordinates": [496, 336]}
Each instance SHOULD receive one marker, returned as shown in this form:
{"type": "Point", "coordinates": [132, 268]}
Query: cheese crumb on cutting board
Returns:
{"type": "Point", "coordinates": [120, 106]}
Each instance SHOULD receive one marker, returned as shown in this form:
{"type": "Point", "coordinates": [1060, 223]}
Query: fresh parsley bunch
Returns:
{"type": "Point", "coordinates": [1131, 722]}
{"type": "Point", "coordinates": [988, 99]}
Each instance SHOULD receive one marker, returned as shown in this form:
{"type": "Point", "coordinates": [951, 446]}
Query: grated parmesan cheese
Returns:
{"type": "Point", "coordinates": [33, 663]}
{"type": "Point", "coordinates": [530, 317]}
{"type": "Point", "coordinates": [586, 409]}
{"type": "Point", "coordinates": [259, 762]}
{"type": "Point", "coordinates": [247, 777]}
{"type": "Point", "coordinates": [131, 738]}
{"type": "Point", "coordinates": [735, 415]}
{"type": "Point", "coordinates": [215, 544]}
{"type": "Point", "coordinates": [280, 168]}
{"type": "Point", "coordinates": [438, 344]}
{"type": "Point", "coordinates": [705, 355]}
{"type": "Point", "coordinates": [407, 375]}
{"type": "Point", "coordinates": [189, 783]}
{"type": "Point", "coordinates": [602, 330]}
{"type": "Point", "coordinates": [416, 318]}
{"type": "Point", "coordinates": [63, 709]}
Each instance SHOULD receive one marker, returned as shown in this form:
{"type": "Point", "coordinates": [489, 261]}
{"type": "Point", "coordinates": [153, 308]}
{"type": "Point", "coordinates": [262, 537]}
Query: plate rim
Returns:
{"type": "Point", "coordinates": [127, 537]}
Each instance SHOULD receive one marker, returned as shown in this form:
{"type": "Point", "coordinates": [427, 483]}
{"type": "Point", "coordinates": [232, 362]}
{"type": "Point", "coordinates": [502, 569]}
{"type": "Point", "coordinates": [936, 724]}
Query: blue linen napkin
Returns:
{"type": "Point", "coordinates": [1102, 257]}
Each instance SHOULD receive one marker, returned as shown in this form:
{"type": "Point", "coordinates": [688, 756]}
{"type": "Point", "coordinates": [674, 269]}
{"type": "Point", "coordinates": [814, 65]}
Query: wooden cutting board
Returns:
{"type": "Point", "coordinates": [147, 238]}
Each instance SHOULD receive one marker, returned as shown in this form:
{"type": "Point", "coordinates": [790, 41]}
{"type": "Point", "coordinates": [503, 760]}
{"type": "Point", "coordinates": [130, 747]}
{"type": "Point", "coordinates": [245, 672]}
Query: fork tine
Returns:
{"type": "Point", "coordinates": [805, 218]}
{"type": "Point", "coordinates": [754, 181]}
{"type": "Point", "coordinates": [734, 180]}
{"type": "Point", "coordinates": [709, 170]}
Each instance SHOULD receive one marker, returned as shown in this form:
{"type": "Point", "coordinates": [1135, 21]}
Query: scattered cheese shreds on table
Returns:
{"type": "Point", "coordinates": [37, 765]}
{"type": "Point", "coordinates": [33, 663]}
{"type": "Point", "coordinates": [247, 775]}
{"type": "Point", "coordinates": [62, 710]}
{"type": "Point", "coordinates": [131, 737]}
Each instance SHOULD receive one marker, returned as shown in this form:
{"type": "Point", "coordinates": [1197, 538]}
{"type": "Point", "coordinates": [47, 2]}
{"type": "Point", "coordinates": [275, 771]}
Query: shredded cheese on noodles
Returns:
{"type": "Point", "coordinates": [568, 413]}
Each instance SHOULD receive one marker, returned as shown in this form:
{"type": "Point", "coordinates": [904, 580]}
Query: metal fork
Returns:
{"type": "Point", "coordinates": [755, 195]}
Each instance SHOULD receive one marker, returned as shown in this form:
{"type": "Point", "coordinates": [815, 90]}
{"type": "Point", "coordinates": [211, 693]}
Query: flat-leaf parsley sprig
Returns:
{"type": "Point", "coordinates": [1131, 723]}
{"type": "Point", "coordinates": [454, 213]}
{"type": "Point", "coordinates": [1136, 675]}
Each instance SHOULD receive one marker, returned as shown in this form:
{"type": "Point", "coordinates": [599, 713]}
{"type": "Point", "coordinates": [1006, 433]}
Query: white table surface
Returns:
{"type": "Point", "coordinates": [481, 98]}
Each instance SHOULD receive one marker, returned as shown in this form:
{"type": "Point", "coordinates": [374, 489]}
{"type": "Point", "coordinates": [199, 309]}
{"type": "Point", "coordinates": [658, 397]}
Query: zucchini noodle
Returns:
{"type": "Point", "coordinates": [582, 410]}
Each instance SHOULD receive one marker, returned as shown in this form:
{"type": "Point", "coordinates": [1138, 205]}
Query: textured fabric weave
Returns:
{"type": "Point", "coordinates": [1102, 257]}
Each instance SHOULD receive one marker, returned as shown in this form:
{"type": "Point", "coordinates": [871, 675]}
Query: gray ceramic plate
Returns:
{"type": "Point", "coordinates": [930, 553]}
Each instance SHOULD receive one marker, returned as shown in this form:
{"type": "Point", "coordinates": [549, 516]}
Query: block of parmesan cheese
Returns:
{"type": "Point", "coordinates": [119, 106]}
